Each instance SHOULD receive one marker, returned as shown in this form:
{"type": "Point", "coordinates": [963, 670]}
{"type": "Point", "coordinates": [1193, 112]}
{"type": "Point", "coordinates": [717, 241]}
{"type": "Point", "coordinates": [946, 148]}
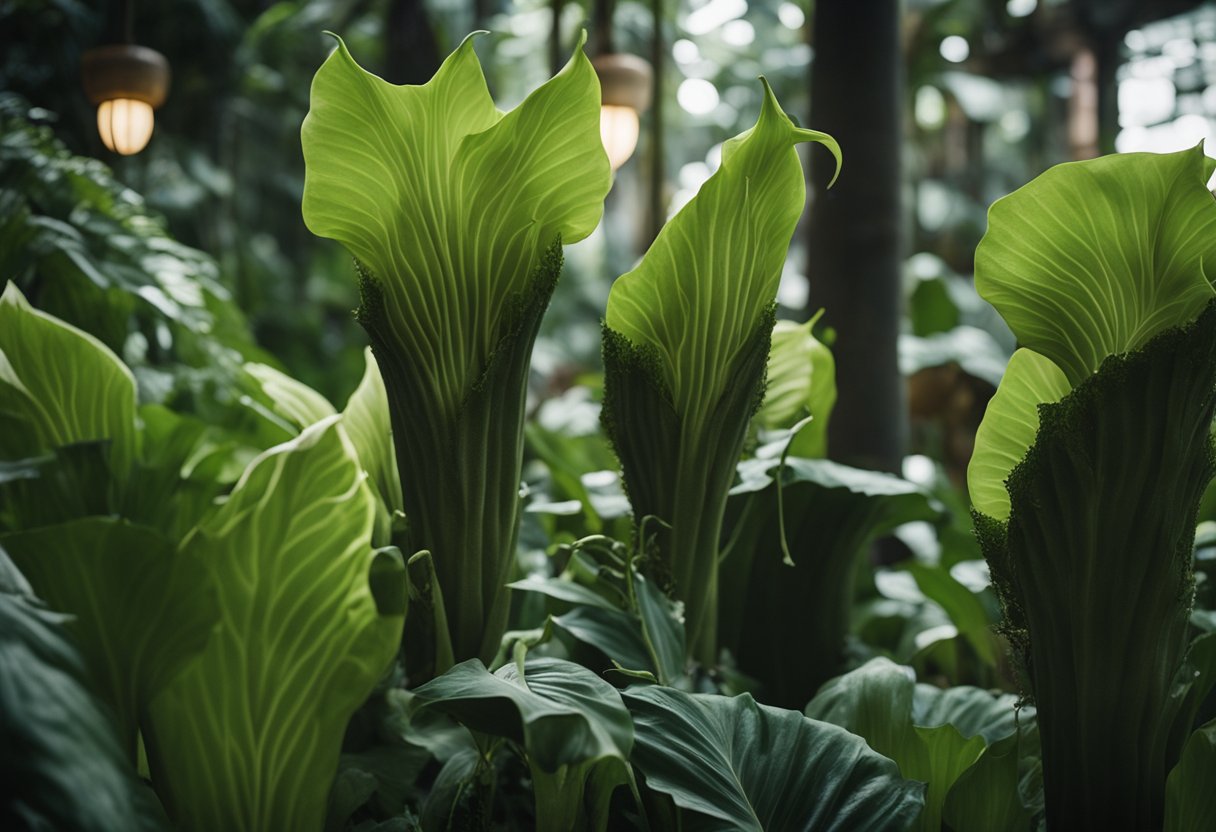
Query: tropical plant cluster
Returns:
{"type": "Point", "coordinates": [228, 604]}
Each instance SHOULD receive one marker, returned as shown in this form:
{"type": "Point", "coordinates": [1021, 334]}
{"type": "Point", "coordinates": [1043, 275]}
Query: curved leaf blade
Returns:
{"type": "Point", "coordinates": [733, 764]}
{"type": "Point", "coordinates": [248, 736]}
{"type": "Point", "coordinates": [559, 712]}
{"type": "Point", "coordinates": [61, 385]}
{"type": "Point", "coordinates": [1190, 800]}
{"type": "Point", "coordinates": [142, 610]}
{"type": "Point", "coordinates": [1009, 427]}
{"type": "Point", "coordinates": [63, 761]}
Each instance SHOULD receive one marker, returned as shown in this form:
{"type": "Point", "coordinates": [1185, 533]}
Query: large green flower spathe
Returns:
{"type": "Point", "coordinates": [455, 213]}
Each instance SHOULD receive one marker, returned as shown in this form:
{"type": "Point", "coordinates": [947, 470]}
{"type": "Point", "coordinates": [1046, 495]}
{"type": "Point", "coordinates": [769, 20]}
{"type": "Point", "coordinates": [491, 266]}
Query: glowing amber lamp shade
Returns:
{"type": "Point", "coordinates": [125, 124]}
{"type": "Point", "coordinates": [126, 82]}
{"type": "Point", "coordinates": [625, 82]}
{"type": "Point", "coordinates": [619, 132]}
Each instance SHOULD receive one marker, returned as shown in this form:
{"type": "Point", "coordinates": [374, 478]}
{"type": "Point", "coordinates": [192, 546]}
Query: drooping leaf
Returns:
{"type": "Point", "coordinates": [787, 624]}
{"type": "Point", "coordinates": [248, 736]}
{"type": "Point", "coordinates": [559, 712]}
{"type": "Point", "coordinates": [1009, 427]}
{"type": "Point", "coordinates": [60, 385]}
{"type": "Point", "coordinates": [1190, 799]}
{"type": "Point", "coordinates": [973, 711]}
{"type": "Point", "coordinates": [933, 737]}
{"type": "Point", "coordinates": [455, 214]}
{"type": "Point", "coordinates": [59, 749]}
{"type": "Point", "coordinates": [568, 722]}
{"type": "Point", "coordinates": [686, 340]}
{"type": "Point", "coordinates": [141, 610]}
{"type": "Point", "coordinates": [1131, 232]}
{"type": "Point", "coordinates": [733, 764]}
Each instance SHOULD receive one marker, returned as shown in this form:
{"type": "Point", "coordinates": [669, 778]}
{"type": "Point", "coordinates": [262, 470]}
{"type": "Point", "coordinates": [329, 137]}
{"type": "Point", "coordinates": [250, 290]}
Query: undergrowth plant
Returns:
{"type": "Point", "coordinates": [1090, 464]}
{"type": "Point", "coordinates": [686, 342]}
{"type": "Point", "coordinates": [456, 214]}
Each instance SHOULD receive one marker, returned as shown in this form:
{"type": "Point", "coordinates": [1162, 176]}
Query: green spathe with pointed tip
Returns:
{"type": "Point", "coordinates": [686, 341]}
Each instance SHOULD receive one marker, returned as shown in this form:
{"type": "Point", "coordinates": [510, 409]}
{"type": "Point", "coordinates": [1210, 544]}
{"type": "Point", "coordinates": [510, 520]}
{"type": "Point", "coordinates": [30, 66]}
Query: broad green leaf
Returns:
{"type": "Point", "coordinates": [1190, 799]}
{"type": "Point", "coordinates": [292, 400]}
{"type": "Point", "coordinates": [733, 764]}
{"type": "Point", "coordinates": [787, 624]}
{"type": "Point", "coordinates": [63, 761]}
{"type": "Point", "coordinates": [1095, 258]}
{"type": "Point", "coordinates": [570, 724]}
{"type": "Point", "coordinates": [985, 796]}
{"type": "Point", "coordinates": [558, 712]}
{"type": "Point", "coordinates": [449, 203]}
{"type": "Point", "coordinates": [1009, 427]}
{"type": "Point", "coordinates": [801, 381]}
{"type": "Point", "coordinates": [60, 385]}
{"type": "Point", "coordinates": [248, 736]}
{"type": "Point", "coordinates": [973, 711]}
{"type": "Point", "coordinates": [933, 738]}
{"type": "Point", "coordinates": [142, 611]}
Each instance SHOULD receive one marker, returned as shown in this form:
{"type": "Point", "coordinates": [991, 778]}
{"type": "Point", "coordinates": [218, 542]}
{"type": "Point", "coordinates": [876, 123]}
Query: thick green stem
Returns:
{"type": "Point", "coordinates": [460, 474]}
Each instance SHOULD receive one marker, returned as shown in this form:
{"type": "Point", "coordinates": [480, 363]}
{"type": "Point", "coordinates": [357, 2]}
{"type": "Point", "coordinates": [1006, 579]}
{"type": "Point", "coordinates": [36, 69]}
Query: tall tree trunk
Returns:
{"type": "Point", "coordinates": [411, 54]}
{"type": "Point", "coordinates": [855, 257]}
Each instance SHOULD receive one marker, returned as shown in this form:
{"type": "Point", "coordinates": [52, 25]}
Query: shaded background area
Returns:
{"type": "Point", "coordinates": [941, 105]}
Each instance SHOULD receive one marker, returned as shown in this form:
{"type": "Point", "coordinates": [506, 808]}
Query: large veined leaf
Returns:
{"type": "Point", "coordinates": [1131, 233]}
{"type": "Point", "coordinates": [60, 385]}
{"type": "Point", "coordinates": [1190, 799]}
{"type": "Point", "coordinates": [733, 764]}
{"type": "Point", "coordinates": [455, 214]}
{"type": "Point", "coordinates": [934, 736]}
{"type": "Point", "coordinates": [571, 725]}
{"type": "Point", "coordinates": [142, 610]}
{"type": "Point", "coordinates": [686, 341]}
{"type": "Point", "coordinates": [800, 382]}
{"type": "Point", "coordinates": [63, 762]}
{"type": "Point", "coordinates": [1009, 427]}
{"type": "Point", "coordinates": [786, 622]}
{"type": "Point", "coordinates": [1098, 267]}
{"type": "Point", "coordinates": [248, 736]}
